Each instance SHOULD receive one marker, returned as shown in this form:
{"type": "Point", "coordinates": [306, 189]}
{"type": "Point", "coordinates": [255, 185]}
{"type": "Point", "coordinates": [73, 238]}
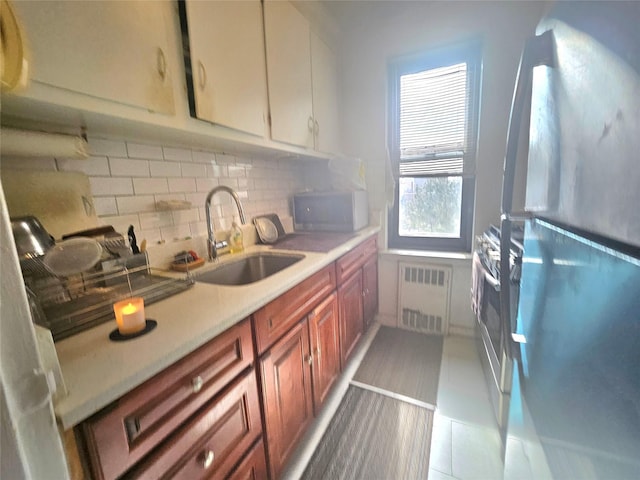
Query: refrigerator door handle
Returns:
{"type": "Point", "coordinates": [538, 50]}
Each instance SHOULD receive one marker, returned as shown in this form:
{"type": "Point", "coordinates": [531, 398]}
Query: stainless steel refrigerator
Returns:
{"type": "Point", "coordinates": [575, 337]}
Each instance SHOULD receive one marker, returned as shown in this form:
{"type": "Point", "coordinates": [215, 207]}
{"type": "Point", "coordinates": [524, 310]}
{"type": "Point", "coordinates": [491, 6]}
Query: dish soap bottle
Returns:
{"type": "Point", "coordinates": [236, 244]}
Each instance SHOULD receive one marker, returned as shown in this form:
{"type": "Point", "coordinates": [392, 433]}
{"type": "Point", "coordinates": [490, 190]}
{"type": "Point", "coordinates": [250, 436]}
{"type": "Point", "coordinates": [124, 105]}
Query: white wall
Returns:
{"type": "Point", "coordinates": [382, 30]}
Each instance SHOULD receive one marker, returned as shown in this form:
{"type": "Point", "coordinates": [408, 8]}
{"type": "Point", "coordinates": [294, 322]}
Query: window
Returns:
{"type": "Point", "coordinates": [434, 106]}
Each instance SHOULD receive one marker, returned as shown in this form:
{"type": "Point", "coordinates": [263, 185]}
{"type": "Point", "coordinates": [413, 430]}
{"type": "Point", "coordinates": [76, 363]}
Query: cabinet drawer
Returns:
{"type": "Point", "coordinates": [121, 435]}
{"type": "Point", "coordinates": [274, 319]}
{"type": "Point", "coordinates": [254, 465]}
{"type": "Point", "coordinates": [213, 441]}
{"type": "Point", "coordinates": [350, 262]}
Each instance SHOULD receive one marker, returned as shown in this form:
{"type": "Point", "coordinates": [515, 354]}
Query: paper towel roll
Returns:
{"type": "Point", "coordinates": [26, 143]}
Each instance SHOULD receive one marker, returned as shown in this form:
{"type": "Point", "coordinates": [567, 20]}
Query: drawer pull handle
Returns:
{"type": "Point", "coordinates": [196, 384]}
{"type": "Point", "coordinates": [207, 459]}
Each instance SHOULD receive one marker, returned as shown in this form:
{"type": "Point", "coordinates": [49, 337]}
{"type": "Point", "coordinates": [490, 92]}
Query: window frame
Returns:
{"type": "Point", "coordinates": [469, 52]}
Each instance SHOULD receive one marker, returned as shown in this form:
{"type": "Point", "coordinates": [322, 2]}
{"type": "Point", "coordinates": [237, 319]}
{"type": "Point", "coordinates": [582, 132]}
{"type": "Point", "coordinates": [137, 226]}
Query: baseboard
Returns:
{"type": "Point", "coordinates": [461, 331]}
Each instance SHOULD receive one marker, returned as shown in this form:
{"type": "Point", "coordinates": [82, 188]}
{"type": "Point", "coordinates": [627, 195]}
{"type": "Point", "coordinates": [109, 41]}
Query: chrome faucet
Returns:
{"type": "Point", "coordinates": [212, 245]}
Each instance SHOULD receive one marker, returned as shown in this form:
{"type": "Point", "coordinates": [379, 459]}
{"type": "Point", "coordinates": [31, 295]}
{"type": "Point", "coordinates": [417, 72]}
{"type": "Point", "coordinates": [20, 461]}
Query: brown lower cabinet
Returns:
{"type": "Point", "coordinates": [351, 314]}
{"type": "Point", "coordinates": [287, 395]}
{"type": "Point", "coordinates": [324, 337]}
{"type": "Point", "coordinates": [212, 390]}
{"type": "Point", "coordinates": [200, 418]}
{"type": "Point", "coordinates": [370, 289]}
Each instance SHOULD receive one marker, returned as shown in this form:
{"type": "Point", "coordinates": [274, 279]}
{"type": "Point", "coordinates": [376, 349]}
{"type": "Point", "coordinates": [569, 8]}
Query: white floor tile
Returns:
{"type": "Point", "coordinates": [475, 452]}
{"type": "Point", "coordinates": [436, 475]}
{"type": "Point", "coordinates": [462, 391]}
{"type": "Point", "coordinates": [440, 458]}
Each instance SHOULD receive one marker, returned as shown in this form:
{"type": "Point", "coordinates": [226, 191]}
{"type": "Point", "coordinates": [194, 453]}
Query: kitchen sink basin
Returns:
{"type": "Point", "coordinates": [248, 269]}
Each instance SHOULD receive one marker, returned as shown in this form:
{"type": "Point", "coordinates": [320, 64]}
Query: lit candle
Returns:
{"type": "Point", "coordinates": [130, 315]}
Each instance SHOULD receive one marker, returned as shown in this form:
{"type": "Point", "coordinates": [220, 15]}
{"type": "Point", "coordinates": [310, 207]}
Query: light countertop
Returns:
{"type": "Point", "coordinates": [97, 371]}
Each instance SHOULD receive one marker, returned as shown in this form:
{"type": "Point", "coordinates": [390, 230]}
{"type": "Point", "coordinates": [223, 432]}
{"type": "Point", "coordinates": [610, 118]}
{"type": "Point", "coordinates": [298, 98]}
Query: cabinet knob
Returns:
{"type": "Point", "coordinates": [202, 74]}
{"type": "Point", "coordinates": [161, 64]}
{"type": "Point", "coordinates": [309, 359]}
{"type": "Point", "coordinates": [310, 124]}
{"type": "Point", "coordinates": [207, 458]}
{"type": "Point", "coordinates": [196, 384]}
{"type": "Point", "coordinates": [316, 127]}
{"type": "Point", "coordinates": [317, 353]}
{"type": "Point", "coordinates": [364, 294]}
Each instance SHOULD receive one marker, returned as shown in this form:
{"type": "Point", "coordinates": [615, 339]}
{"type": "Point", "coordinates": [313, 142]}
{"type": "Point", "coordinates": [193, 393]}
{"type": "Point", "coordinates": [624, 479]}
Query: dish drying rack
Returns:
{"type": "Point", "coordinates": [69, 305]}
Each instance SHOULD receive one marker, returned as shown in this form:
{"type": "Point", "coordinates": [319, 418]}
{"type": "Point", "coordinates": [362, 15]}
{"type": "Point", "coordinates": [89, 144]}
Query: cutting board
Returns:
{"type": "Point", "coordinates": [62, 201]}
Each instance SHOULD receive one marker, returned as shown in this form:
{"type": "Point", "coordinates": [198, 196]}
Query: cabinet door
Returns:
{"type": "Point", "coordinates": [324, 74]}
{"type": "Point", "coordinates": [286, 384]}
{"type": "Point", "coordinates": [370, 289]}
{"type": "Point", "coordinates": [287, 37]}
{"type": "Point", "coordinates": [229, 79]}
{"type": "Point", "coordinates": [110, 50]}
{"type": "Point", "coordinates": [254, 465]}
{"type": "Point", "coordinates": [324, 334]}
{"type": "Point", "coordinates": [351, 315]}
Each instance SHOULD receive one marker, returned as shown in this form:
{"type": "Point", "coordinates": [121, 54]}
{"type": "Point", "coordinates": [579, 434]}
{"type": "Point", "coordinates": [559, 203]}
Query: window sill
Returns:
{"type": "Point", "coordinates": [426, 254]}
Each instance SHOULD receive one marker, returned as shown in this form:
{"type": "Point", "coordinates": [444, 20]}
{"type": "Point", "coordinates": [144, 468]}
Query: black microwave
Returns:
{"type": "Point", "coordinates": [331, 211]}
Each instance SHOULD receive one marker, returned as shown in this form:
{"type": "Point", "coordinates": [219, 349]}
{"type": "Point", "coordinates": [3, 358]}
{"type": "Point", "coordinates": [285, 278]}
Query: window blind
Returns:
{"type": "Point", "coordinates": [434, 130]}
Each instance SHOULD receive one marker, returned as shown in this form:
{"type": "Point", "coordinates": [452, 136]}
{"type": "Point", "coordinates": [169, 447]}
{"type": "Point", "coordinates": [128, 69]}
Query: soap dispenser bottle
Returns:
{"type": "Point", "coordinates": [236, 244]}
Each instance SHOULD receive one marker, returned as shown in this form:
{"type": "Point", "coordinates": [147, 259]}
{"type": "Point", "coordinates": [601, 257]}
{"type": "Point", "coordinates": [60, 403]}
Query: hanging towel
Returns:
{"type": "Point", "coordinates": [477, 285]}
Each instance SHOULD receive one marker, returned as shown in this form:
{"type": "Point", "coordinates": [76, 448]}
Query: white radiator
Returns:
{"type": "Point", "coordinates": [424, 292]}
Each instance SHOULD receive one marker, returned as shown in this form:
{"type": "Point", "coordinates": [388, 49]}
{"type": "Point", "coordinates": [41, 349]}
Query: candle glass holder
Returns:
{"type": "Point", "coordinates": [130, 315]}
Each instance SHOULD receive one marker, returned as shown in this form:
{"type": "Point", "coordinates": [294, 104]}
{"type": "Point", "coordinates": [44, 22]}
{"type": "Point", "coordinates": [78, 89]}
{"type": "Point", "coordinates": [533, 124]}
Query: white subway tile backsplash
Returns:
{"type": "Point", "coordinates": [182, 185]}
{"type": "Point", "coordinates": [215, 171]}
{"type": "Point", "coordinates": [206, 184]}
{"type": "Point", "coordinates": [181, 217]}
{"type": "Point", "coordinates": [229, 182]}
{"type": "Point", "coordinates": [110, 148]}
{"type": "Point", "coordinates": [121, 223]}
{"type": "Point", "coordinates": [149, 152]}
{"type": "Point", "coordinates": [137, 204]}
{"type": "Point", "coordinates": [126, 167]}
{"type": "Point", "coordinates": [96, 165]}
{"type": "Point", "coordinates": [160, 168]}
{"type": "Point", "coordinates": [152, 236]}
{"type": "Point", "coordinates": [177, 154]}
{"type": "Point", "coordinates": [142, 186]}
{"type": "Point", "coordinates": [169, 196]}
{"type": "Point", "coordinates": [203, 157]}
{"type": "Point", "coordinates": [196, 199]}
{"type": "Point", "coordinates": [110, 186]}
{"type": "Point", "coordinates": [178, 232]}
{"type": "Point", "coordinates": [198, 228]}
{"type": "Point", "coordinates": [105, 206]}
{"type": "Point", "coordinates": [128, 178]}
{"type": "Point", "coordinates": [194, 170]}
{"type": "Point", "coordinates": [155, 220]}
{"type": "Point", "coordinates": [225, 158]}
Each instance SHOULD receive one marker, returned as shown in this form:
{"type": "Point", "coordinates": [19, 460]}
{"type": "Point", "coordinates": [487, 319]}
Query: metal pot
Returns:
{"type": "Point", "coordinates": [32, 240]}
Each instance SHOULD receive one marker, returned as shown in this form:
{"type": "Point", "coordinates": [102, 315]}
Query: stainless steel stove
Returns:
{"type": "Point", "coordinates": [492, 329]}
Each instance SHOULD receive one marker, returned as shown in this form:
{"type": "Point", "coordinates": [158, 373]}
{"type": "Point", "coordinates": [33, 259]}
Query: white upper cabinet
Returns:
{"type": "Point", "coordinates": [288, 46]}
{"type": "Point", "coordinates": [226, 43]}
{"type": "Point", "coordinates": [324, 72]}
{"type": "Point", "coordinates": [109, 50]}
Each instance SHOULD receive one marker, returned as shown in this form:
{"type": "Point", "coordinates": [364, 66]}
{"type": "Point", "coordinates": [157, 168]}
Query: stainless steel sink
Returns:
{"type": "Point", "coordinates": [248, 269]}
